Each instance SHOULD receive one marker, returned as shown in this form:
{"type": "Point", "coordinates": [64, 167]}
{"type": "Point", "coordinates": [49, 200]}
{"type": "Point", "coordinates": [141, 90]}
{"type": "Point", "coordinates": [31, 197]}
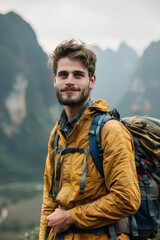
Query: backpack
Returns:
{"type": "Point", "coordinates": [146, 135]}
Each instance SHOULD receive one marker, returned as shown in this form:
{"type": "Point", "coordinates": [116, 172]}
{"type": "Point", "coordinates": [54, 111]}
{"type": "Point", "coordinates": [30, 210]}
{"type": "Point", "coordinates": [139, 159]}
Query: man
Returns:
{"type": "Point", "coordinates": [78, 203]}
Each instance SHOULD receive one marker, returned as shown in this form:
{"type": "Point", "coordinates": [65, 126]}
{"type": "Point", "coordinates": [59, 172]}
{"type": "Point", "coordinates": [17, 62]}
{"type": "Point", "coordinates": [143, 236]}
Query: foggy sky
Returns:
{"type": "Point", "coordinates": [105, 23]}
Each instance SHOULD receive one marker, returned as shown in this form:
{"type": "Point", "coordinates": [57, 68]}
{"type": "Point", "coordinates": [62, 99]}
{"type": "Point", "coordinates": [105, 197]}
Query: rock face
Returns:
{"type": "Point", "coordinates": [28, 106]}
{"type": "Point", "coordinates": [142, 97]}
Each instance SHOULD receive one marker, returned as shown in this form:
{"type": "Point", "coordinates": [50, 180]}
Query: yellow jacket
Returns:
{"type": "Point", "coordinates": [105, 200]}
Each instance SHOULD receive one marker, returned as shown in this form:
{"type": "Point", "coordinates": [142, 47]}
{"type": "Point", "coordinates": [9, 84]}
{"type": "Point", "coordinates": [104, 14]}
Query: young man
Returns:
{"type": "Point", "coordinates": [78, 203]}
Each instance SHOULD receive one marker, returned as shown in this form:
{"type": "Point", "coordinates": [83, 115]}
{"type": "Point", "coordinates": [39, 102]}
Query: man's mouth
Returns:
{"type": "Point", "coordinates": [73, 89]}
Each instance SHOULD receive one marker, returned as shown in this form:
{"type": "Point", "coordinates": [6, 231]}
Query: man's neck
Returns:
{"type": "Point", "coordinates": [71, 112]}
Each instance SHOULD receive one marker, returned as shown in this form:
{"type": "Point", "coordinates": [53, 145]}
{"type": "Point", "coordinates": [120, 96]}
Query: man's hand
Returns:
{"type": "Point", "coordinates": [60, 220]}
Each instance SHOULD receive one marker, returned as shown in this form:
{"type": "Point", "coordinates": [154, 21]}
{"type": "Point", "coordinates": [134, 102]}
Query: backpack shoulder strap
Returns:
{"type": "Point", "coordinates": [56, 138]}
{"type": "Point", "coordinates": [95, 139]}
{"type": "Point", "coordinates": [97, 152]}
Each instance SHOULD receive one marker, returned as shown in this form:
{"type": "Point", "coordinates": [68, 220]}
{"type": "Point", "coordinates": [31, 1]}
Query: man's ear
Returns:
{"type": "Point", "coordinates": [92, 81]}
{"type": "Point", "coordinates": [54, 79]}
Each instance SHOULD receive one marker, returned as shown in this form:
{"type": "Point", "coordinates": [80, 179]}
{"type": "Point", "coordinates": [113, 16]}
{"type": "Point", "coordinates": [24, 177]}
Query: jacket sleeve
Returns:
{"type": "Point", "coordinates": [123, 195]}
{"type": "Point", "coordinates": [48, 205]}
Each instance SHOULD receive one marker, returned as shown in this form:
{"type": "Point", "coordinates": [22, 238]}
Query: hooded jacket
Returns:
{"type": "Point", "coordinates": [104, 201]}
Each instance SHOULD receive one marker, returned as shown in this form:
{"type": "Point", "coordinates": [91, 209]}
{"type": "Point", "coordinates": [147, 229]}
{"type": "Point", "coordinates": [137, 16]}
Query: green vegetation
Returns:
{"type": "Point", "coordinates": [16, 192]}
{"type": "Point", "coordinates": [31, 235]}
{"type": "Point", "coordinates": [23, 206]}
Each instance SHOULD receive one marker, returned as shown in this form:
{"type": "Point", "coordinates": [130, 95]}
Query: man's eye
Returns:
{"type": "Point", "coordinates": [63, 75]}
{"type": "Point", "coordinates": [78, 75]}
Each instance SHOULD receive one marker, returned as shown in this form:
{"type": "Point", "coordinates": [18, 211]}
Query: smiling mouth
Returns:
{"type": "Point", "coordinates": [70, 90]}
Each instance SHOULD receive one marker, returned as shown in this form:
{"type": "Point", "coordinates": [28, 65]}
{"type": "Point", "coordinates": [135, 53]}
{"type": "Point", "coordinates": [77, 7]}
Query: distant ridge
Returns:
{"type": "Point", "coordinates": [143, 95]}
{"type": "Point", "coordinates": [114, 71]}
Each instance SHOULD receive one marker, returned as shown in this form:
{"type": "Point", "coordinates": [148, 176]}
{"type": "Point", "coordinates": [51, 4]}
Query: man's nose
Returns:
{"type": "Point", "coordinates": [70, 79]}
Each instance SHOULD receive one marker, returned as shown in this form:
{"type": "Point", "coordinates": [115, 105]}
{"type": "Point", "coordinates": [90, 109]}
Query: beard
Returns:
{"type": "Point", "coordinates": [69, 101]}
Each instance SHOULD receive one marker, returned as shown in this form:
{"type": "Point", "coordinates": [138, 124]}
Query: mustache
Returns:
{"type": "Point", "coordinates": [70, 88]}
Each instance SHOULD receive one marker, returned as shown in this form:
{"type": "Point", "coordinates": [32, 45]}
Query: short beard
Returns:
{"type": "Point", "coordinates": [73, 102]}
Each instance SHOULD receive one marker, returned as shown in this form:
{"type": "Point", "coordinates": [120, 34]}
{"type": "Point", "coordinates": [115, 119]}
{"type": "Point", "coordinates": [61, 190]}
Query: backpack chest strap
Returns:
{"type": "Point", "coordinates": [63, 151]}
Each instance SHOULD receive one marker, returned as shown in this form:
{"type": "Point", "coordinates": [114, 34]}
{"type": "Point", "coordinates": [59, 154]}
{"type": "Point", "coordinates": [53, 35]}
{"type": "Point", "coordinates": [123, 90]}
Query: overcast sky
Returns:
{"type": "Point", "coordinates": [105, 23]}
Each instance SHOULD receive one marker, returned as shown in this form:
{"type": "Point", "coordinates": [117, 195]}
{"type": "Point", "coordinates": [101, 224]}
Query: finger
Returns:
{"type": "Point", "coordinates": [50, 224]}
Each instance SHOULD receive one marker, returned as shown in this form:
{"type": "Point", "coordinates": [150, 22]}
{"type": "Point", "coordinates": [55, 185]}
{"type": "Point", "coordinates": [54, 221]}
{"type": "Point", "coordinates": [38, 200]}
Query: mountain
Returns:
{"type": "Point", "coordinates": [27, 100]}
{"type": "Point", "coordinates": [142, 96]}
{"type": "Point", "coordinates": [28, 105]}
{"type": "Point", "coordinates": [114, 71]}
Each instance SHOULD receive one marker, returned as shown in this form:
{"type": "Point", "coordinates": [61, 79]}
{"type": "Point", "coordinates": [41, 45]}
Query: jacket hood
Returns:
{"type": "Point", "coordinates": [100, 105]}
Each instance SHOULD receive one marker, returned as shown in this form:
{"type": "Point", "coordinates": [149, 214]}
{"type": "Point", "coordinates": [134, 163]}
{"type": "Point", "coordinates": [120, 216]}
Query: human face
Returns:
{"type": "Point", "coordinates": [72, 82]}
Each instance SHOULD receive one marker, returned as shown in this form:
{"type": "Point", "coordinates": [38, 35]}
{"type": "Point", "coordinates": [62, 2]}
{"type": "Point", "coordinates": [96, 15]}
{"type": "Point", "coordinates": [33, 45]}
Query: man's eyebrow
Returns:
{"type": "Point", "coordinates": [79, 72]}
{"type": "Point", "coordinates": [74, 72]}
{"type": "Point", "coordinates": [62, 72]}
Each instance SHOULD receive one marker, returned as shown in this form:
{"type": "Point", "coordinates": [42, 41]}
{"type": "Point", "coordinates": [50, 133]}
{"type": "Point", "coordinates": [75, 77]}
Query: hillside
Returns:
{"type": "Point", "coordinates": [27, 99]}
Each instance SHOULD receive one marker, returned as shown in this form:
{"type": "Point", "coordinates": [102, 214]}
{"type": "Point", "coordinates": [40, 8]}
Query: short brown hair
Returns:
{"type": "Point", "coordinates": [75, 50]}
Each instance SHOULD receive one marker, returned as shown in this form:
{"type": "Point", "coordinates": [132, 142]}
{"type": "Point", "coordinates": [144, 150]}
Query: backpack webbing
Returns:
{"type": "Point", "coordinates": [63, 151]}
